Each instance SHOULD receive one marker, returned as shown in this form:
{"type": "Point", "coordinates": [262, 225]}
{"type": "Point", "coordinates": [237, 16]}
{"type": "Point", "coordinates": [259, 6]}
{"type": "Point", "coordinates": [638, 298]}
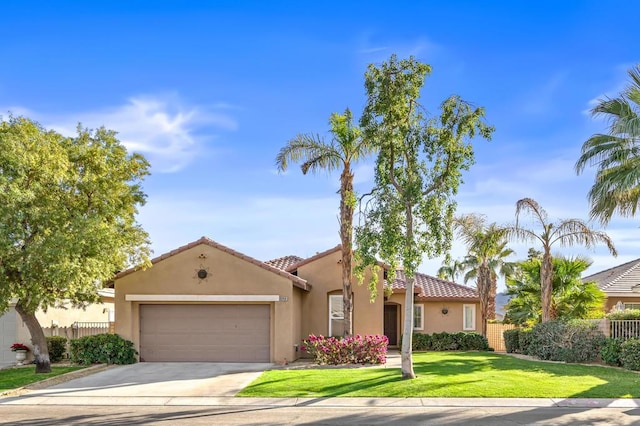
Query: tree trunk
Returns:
{"type": "Point", "coordinates": [407, 334]}
{"type": "Point", "coordinates": [546, 285]}
{"type": "Point", "coordinates": [40, 350]}
{"type": "Point", "coordinates": [484, 288]}
{"type": "Point", "coordinates": [347, 204]}
{"type": "Point", "coordinates": [491, 306]}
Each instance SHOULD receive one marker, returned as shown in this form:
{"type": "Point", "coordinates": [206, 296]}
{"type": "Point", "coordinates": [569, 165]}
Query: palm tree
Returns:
{"type": "Point", "coordinates": [567, 232]}
{"type": "Point", "coordinates": [450, 270]}
{"type": "Point", "coordinates": [571, 298]}
{"type": "Point", "coordinates": [345, 148]}
{"type": "Point", "coordinates": [486, 245]}
{"type": "Point", "coordinates": [615, 154]}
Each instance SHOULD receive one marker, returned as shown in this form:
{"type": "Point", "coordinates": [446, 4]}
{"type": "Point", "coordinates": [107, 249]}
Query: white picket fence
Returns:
{"type": "Point", "coordinates": [623, 329]}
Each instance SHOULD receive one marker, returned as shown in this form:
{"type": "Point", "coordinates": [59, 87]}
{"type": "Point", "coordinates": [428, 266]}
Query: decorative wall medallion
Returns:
{"type": "Point", "coordinates": [202, 274]}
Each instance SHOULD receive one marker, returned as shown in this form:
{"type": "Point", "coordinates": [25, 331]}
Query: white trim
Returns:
{"type": "Point", "coordinates": [201, 298]}
{"type": "Point", "coordinates": [464, 317]}
{"type": "Point", "coordinates": [339, 315]}
{"type": "Point", "coordinates": [421, 308]}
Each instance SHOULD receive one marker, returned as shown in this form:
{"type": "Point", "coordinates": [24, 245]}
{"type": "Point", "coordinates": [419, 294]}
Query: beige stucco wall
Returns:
{"type": "Point", "coordinates": [434, 320]}
{"type": "Point", "coordinates": [611, 301]}
{"type": "Point", "coordinates": [228, 275]}
{"type": "Point", "coordinates": [325, 275]}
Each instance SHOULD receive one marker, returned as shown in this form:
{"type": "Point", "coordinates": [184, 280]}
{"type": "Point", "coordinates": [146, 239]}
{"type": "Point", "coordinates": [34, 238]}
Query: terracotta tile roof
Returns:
{"type": "Point", "coordinates": [295, 266]}
{"type": "Point", "coordinates": [297, 281]}
{"type": "Point", "coordinates": [431, 288]}
{"type": "Point", "coordinates": [619, 279]}
{"type": "Point", "coordinates": [284, 262]}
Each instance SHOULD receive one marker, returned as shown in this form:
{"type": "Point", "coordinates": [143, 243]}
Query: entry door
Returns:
{"type": "Point", "coordinates": [391, 323]}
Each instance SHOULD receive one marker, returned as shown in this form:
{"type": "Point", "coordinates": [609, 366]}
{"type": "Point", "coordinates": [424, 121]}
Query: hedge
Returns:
{"type": "Point", "coordinates": [461, 341]}
{"type": "Point", "coordinates": [102, 348]}
{"type": "Point", "coordinates": [351, 350]}
{"type": "Point", "coordinates": [57, 346]}
{"type": "Point", "coordinates": [568, 341]}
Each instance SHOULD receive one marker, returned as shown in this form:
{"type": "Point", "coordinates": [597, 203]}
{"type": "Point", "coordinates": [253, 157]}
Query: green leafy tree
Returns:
{"type": "Point", "coordinates": [345, 149]}
{"type": "Point", "coordinates": [67, 219]}
{"type": "Point", "coordinates": [566, 233]}
{"type": "Point", "coordinates": [571, 298]}
{"type": "Point", "coordinates": [418, 171]}
{"type": "Point", "coordinates": [487, 250]}
{"type": "Point", "coordinates": [616, 154]}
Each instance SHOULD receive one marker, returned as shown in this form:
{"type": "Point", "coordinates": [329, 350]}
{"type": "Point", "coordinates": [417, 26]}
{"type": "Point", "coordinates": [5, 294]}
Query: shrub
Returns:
{"type": "Point", "coordinates": [524, 340]}
{"type": "Point", "coordinates": [570, 341]}
{"type": "Point", "coordinates": [102, 348]}
{"type": "Point", "coordinates": [627, 314]}
{"type": "Point", "coordinates": [630, 354]}
{"type": "Point", "coordinates": [421, 342]}
{"type": "Point", "coordinates": [57, 346]}
{"type": "Point", "coordinates": [352, 350]}
{"type": "Point", "coordinates": [511, 338]}
{"type": "Point", "coordinates": [610, 352]}
{"type": "Point", "coordinates": [461, 341]}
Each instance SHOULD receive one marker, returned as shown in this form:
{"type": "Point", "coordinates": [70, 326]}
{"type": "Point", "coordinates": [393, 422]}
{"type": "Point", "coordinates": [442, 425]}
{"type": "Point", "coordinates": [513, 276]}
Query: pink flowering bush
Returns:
{"type": "Point", "coordinates": [352, 350]}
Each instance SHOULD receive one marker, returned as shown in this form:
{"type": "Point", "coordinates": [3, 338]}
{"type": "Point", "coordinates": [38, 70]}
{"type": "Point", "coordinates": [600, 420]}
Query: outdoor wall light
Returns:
{"type": "Point", "coordinates": [445, 311]}
{"type": "Point", "coordinates": [202, 274]}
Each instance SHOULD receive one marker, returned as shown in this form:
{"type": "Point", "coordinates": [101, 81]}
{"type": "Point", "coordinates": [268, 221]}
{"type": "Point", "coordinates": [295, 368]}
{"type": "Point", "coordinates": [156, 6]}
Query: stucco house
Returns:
{"type": "Point", "coordinates": [621, 284]}
{"type": "Point", "coordinates": [207, 302]}
{"type": "Point", "coordinates": [54, 321]}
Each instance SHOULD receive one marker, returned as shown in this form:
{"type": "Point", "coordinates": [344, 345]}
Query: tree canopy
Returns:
{"type": "Point", "coordinates": [67, 218]}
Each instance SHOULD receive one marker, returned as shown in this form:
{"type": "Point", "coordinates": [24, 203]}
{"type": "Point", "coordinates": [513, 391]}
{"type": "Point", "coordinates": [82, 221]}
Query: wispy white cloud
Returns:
{"type": "Point", "coordinates": [167, 131]}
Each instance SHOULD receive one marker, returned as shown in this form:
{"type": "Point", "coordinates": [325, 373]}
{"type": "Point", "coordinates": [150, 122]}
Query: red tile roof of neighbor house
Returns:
{"type": "Point", "coordinates": [297, 281]}
{"type": "Point", "coordinates": [284, 262]}
{"type": "Point", "coordinates": [619, 279]}
{"type": "Point", "coordinates": [426, 287]}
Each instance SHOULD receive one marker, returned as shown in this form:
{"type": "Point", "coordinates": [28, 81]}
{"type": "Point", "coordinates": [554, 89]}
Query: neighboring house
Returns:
{"type": "Point", "coordinates": [621, 284]}
{"type": "Point", "coordinates": [13, 329]}
{"type": "Point", "coordinates": [207, 302]}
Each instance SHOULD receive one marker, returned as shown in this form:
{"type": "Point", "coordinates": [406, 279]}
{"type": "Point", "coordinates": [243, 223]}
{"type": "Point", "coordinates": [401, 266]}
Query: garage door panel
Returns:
{"type": "Point", "coordinates": [215, 333]}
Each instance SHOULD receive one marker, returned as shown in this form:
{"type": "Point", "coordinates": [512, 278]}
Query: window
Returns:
{"type": "Point", "coordinates": [418, 317]}
{"type": "Point", "coordinates": [468, 317]}
{"type": "Point", "coordinates": [632, 306]}
{"type": "Point", "coordinates": [336, 315]}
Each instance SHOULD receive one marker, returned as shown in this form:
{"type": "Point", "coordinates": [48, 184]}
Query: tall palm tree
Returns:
{"type": "Point", "coordinates": [571, 298]}
{"type": "Point", "coordinates": [345, 148]}
{"type": "Point", "coordinates": [486, 245]}
{"type": "Point", "coordinates": [567, 232]}
{"type": "Point", "coordinates": [616, 155]}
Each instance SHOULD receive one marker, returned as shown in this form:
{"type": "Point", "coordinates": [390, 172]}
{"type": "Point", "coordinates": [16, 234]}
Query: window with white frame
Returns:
{"type": "Point", "coordinates": [468, 317]}
{"type": "Point", "coordinates": [632, 306]}
{"type": "Point", "coordinates": [418, 317]}
{"type": "Point", "coordinates": [336, 315]}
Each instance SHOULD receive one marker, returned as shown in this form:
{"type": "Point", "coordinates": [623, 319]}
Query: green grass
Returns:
{"type": "Point", "coordinates": [12, 378]}
{"type": "Point", "coordinates": [453, 374]}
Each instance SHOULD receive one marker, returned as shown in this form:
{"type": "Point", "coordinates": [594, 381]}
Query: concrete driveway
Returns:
{"type": "Point", "coordinates": [160, 379]}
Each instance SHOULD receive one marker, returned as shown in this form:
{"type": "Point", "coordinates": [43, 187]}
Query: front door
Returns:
{"type": "Point", "coordinates": [391, 323]}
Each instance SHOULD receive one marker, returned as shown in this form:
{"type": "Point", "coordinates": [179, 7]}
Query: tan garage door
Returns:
{"type": "Point", "coordinates": [205, 333]}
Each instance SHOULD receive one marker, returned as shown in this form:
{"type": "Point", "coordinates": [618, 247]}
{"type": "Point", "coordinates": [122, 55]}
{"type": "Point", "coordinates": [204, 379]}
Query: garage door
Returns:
{"type": "Point", "coordinates": [206, 333]}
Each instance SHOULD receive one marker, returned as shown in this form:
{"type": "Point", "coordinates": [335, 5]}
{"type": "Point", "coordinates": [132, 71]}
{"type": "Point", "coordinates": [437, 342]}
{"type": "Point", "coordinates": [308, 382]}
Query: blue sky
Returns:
{"type": "Point", "coordinates": [210, 91]}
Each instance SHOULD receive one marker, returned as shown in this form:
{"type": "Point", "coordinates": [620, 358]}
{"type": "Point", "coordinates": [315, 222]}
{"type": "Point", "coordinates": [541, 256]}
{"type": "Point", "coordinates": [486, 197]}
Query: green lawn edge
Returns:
{"type": "Point", "coordinates": [17, 377]}
{"type": "Point", "coordinates": [452, 375]}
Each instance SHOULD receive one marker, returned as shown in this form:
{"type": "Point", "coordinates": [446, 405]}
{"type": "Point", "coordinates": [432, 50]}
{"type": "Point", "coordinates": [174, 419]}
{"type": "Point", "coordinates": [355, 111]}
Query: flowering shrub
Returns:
{"type": "Point", "coordinates": [352, 350]}
{"type": "Point", "coordinates": [19, 347]}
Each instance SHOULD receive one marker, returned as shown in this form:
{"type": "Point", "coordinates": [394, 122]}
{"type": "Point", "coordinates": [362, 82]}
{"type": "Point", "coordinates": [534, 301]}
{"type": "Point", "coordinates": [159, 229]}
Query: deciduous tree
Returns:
{"type": "Point", "coordinates": [418, 171]}
{"type": "Point", "coordinates": [67, 218]}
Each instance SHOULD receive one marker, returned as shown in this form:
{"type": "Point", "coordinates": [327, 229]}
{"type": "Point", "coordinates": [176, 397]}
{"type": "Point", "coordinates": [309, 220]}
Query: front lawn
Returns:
{"type": "Point", "coordinates": [12, 378]}
{"type": "Point", "coordinates": [453, 374]}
